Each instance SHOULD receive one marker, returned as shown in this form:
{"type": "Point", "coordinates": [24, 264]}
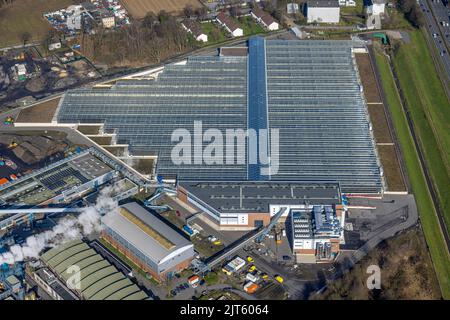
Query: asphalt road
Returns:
{"type": "Point", "coordinates": [435, 12]}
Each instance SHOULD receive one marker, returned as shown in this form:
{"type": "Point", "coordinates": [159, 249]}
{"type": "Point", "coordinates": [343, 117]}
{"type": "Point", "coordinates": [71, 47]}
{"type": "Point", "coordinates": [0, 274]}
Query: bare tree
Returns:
{"type": "Point", "coordinates": [25, 37]}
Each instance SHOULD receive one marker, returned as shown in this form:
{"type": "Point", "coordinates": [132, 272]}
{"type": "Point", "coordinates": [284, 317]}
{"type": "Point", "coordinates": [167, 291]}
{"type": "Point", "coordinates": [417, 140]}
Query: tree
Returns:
{"type": "Point", "coordinates": [149, 20]}
{"type": "Point", "coordinates": [235, 11]}
{"type": "Point", "coordinates": [25, 37]}
{"type": "Point", "coordinates": [188, 11]}
{"type": "Point", "coordinates": [268, 6]}
{"type": "Point", "coordinates": [201, 12]}
{"type": "Point", "coordinates": [412, 12]}
{"type": "Point", "coordinates": [215, 34]}
{"type": "Point", "coordinates": [163, 16]}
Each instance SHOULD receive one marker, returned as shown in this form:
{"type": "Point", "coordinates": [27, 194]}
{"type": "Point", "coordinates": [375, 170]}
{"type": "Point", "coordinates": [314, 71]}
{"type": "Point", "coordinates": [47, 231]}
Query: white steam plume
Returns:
{"type": "Point", "coordinates": [67, 229]}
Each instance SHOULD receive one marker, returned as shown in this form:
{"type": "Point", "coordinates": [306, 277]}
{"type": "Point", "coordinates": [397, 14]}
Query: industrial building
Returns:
{"type": "Point", "coordinates": [323, 11]}
{"type": "Point", "coordinates": [309, 90]}
{"type": "Point", "coordinates": [234, 265]}
{"type": "Point", "coordinates": [57, 182]}
{"type": "Point", "coordinates": [77, 176]}
{"type": "Point", "coordinates": [248, 205]}
{"type": "Point", "coordinates": [147, 241]}
{"type": "Point", "coordinates": [98, 279]}
{"type": "Point", "coordinates": [317, 232]}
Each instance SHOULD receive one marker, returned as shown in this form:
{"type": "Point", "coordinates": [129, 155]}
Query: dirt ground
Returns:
{"type": "Point", "coordinates": [42, 112]}
{"type": "Point", "coordinates": [388, 157]}
{"type": "Point", "coordinates": [392, 172]}
{"type": "Point", "coordinates": [139, 8]}
{"type": "Point", "coordinates": [367, 78]}
{"type": "Point", "coordinates": [406, 273]}
{"type": "Point", "coordinates": [379, 123]}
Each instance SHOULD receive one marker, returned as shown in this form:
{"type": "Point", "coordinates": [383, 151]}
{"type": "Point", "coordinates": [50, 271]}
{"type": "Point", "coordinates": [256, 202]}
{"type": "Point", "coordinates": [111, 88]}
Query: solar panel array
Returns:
{"type": "Point", "coordinates": [309, 90]}
{"type": "Point", "coordinates": [315, 101]}
{"type": "Point", "coordinates": [144, 113]}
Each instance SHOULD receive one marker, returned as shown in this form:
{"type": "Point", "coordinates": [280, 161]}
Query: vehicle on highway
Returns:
{"type": "Point", "coordinates": [279, 279]}
{"type": "Point", "coordinates": [250, 259]}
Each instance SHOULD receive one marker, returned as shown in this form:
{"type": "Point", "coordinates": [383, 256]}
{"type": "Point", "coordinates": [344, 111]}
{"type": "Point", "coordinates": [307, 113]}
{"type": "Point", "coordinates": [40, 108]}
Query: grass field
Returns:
{"type": "Point", "coordinates": [428, 106]}
{"type": "Point", "coordinates": [429, 221]}
{"type": "Point", "coordinates": [139, 8]}
{"type": "Point", "coordinates": [358, 9]}
{"type": "Point", "coordinates": [214, 33]}
{"type": "Point", "coordinates": [249, 26]}
{"type": "Point", "coordinates": [26, 16]}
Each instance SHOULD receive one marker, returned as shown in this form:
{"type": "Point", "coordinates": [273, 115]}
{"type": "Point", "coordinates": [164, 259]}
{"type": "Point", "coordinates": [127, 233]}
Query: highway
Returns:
{"type": "Point", "coordinates": [435, 12]}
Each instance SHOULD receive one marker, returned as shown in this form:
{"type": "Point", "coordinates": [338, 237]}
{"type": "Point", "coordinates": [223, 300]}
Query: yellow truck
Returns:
{"type": "Point", "coordinates": [279, 279]}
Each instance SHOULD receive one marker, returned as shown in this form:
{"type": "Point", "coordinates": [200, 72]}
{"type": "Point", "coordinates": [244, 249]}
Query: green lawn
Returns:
{"type": "Point", "coordinates": [429, 221]}
{"type": "Point", "coordinates": [249, 26]}
{"type": "Point", "coordinates": [358, 9]}
{"type": "Point", "coordinates": [428, 106]}
{"type": "Point", "coordinates": [215, 34]}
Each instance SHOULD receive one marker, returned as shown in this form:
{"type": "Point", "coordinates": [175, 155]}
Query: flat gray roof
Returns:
{"type": "Point", "coordinates": [253, 197]}
{"type": "Point", "coordinates": [141, 239]}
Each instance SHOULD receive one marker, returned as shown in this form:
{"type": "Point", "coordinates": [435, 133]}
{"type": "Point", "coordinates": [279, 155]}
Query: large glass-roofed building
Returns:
{"type": "Point", "coordinates": [308, 89]}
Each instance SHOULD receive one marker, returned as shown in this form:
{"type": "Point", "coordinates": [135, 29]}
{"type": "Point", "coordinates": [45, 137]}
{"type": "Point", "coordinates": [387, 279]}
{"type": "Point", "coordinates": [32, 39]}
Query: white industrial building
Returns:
{"type": "Point", "coordinates": [317, 232]}
{"type": "Point", "coordinates": [234, 265]}
{"type": "Point", "coordinates": [147, 241]}
{"type": "Point", "coordinates": [375, 7]}
{"type": "Point", "coordinates": [322, 11]}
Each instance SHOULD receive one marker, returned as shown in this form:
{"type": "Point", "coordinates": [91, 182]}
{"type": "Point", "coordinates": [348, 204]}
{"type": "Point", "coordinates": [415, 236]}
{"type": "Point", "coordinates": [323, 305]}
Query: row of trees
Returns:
{"type": "Point", "coordinates": [412, 12]}
{"type": "Point", "coordinates": [5, 2]}
{"type": "Point", "coordinates": [151, 40]}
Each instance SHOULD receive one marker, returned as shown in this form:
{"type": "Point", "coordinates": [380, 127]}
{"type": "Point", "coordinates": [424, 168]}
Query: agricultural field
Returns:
{"type": "Point", "coordinates": [139, 8]}
{"type": "Point", "coordinates": [26, 16]}
{"type": "Point", "coordinates": [428, 218]}
{"type": "Point", "coordinates": [428, 107]}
